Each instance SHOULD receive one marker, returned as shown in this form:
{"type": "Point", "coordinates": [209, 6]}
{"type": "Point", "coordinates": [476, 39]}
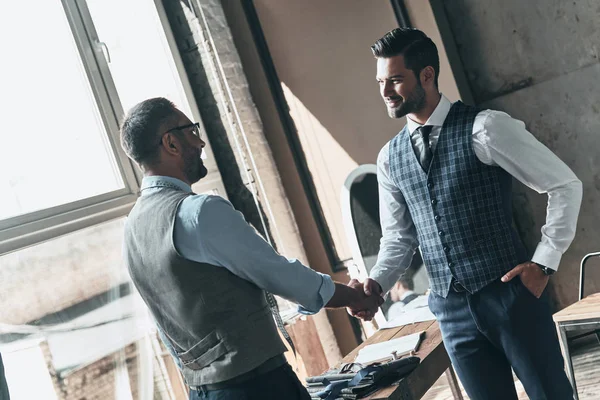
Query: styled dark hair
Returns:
{"type": "Point", "coordinates": [140, 134]}
{"type": "Point", "coordinates": [407, 282]}
{"type": "Point", "coordinates": [418, 50]}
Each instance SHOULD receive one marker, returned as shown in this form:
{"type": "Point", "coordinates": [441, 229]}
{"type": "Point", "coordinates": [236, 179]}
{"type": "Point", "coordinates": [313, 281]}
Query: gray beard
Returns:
{"type": "Point", "coordinates": [194, 169]}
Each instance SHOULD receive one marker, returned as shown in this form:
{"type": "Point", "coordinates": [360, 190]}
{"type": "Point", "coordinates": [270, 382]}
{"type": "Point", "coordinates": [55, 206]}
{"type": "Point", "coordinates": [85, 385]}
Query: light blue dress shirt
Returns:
{"type": "Point", "coordinates": [209, 230]}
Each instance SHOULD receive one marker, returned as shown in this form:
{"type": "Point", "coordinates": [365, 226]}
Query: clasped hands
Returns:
{"type": "Point", "coordinates": [370, 301]}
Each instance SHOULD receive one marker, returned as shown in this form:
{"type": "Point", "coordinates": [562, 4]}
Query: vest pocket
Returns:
{"type": "Point", "coordinates": [203, 353]}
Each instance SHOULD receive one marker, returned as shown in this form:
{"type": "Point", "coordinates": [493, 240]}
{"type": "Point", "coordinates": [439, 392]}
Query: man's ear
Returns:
{"type": "Point", "coordinates": [427, 76]}
{"type": "Point", "coordinates": [171, 144]}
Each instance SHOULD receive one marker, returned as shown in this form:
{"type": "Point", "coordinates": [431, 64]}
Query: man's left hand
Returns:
{"type": "Point", "coordinates": [531, 276]}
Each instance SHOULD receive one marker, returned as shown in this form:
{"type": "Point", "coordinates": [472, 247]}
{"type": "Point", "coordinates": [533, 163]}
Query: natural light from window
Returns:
{"type": "Point", "coordinates": [55, 148]}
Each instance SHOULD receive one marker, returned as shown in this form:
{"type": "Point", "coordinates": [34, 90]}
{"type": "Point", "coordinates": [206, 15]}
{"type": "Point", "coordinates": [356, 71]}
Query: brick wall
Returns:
{"type": "Point", "coordinates": [223, 129]}
{"type": "Point", "coordinates": [95, 381]}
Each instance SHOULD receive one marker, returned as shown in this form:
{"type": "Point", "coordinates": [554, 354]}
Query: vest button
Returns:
{"type": "Point", "coordinates": [434, 202]}
{"type": "Point", "coordinates": [429, 185]}
{"type": "Point", "coordinates": [441, 233]}
{"type": "Point", "coordinates": [447, 249]}
{"type": "Point", "coordinates": [450, 264]}
{"type": "Point", "coordinates": [437, 217]}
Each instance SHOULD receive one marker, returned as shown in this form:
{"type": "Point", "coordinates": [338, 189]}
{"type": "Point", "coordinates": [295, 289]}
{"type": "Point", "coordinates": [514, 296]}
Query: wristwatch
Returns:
{"type": "Point", "coordinates": [545, 270]}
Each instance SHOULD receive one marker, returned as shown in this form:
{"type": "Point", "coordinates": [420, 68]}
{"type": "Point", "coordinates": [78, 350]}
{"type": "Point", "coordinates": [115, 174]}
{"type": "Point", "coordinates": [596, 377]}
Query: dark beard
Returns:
{"type": "Point", "coordinates": [413, 103]}
{"type": "Point", "coordinates": [194, 166]}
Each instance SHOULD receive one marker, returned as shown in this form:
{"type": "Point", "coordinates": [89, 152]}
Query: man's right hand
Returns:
{"type": "Point", "coordinates": [370, 304]}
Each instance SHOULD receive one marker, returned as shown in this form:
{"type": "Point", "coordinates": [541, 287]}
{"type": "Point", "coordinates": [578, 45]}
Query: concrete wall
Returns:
{"type": "Point", "coordinates": [327, 72]}
{"type": "Point", "coordinates": [538, 61]}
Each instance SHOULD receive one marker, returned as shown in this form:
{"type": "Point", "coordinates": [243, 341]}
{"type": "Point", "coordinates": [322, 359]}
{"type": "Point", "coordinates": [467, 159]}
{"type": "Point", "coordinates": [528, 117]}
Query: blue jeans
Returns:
{"type": "Point", "coordinates": [278, 384]}
{"type": "Point", "coordinates": [500, 327]}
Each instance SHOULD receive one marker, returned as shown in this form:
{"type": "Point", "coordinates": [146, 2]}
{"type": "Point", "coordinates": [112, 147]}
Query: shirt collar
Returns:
{"type": "Point", "coordinates": [437, 118]}
{"type": "Point", "coordinates": [406, 294]}
{"type": "Point", "coordinates": [159, 182]}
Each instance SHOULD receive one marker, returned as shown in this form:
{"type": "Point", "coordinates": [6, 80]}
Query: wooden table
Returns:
{"type": "Point", "coordinates": [585, 314]}
{"type": "Point", "coordinates": [434, 361]}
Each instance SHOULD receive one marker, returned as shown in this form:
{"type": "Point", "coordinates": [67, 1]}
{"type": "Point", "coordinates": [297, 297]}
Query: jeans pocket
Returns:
{"type": "Point", "coordinates": [432, 302]}
{"type": "Point", "coordinates": [523, 289]}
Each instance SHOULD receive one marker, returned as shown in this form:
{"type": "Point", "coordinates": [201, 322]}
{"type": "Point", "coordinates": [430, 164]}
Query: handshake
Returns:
{"type": "Point", "coordinates": [368, 299]}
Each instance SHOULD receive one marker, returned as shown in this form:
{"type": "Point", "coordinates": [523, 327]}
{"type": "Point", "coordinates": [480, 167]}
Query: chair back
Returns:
{"type": "Point", "coordinates": [584, 260]}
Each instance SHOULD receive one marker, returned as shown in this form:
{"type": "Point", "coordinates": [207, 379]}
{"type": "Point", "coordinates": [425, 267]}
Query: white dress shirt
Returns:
{"type": "Point", "coordinates": [498, 140]}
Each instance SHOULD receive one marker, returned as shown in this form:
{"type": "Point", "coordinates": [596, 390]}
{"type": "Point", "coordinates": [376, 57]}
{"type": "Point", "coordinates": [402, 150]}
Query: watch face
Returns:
{"type": "Point", "coordinates": [545, 270]}
{"type": "Point", "coordinates": [548, 271]}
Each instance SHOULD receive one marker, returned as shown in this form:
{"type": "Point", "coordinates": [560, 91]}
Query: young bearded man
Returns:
{"type": "Point", "coordinates": [445, 186]}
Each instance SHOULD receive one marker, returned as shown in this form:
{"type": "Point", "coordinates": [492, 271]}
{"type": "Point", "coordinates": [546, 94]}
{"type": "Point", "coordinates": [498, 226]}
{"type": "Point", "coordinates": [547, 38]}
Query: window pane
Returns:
{"type": "Point", "coordinates": [55, 148]}
{"type": "Point", "coordinates": [71, 323]}
{"type": "Point", "coordinates": [141, 63]}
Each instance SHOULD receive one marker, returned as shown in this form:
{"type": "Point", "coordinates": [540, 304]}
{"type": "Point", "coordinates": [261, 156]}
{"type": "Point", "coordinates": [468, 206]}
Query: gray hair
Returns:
{"type": "Point", "coordinates": [140, 134]}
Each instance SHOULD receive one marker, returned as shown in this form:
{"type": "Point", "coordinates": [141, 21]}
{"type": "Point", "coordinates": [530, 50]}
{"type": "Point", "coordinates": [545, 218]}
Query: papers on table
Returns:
{"type": "Point", "coordinates": [383, 351]}
{"type": "Point", "coordinates": [415, 311]}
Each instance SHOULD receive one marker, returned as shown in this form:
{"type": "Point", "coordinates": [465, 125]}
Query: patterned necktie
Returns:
{"type": "Point", "coordinates": [426, 155]}
{"type": "Point", "coordinates": [275, 310]}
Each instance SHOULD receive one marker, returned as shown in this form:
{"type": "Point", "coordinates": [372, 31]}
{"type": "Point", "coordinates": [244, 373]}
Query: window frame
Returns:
{"type": "Point", "coordinates": [34, 227]}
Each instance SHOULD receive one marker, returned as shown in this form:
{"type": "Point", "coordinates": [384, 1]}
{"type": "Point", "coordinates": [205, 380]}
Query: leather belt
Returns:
{"type": "Point", "coordinates": [457, 287]}
{"type": "Point", "coordinates": [267, 366]}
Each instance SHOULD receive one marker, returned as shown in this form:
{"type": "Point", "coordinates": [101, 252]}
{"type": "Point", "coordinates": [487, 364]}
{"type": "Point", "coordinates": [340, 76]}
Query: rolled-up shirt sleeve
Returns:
{"type": "Point", "coordinates": [226, 239]}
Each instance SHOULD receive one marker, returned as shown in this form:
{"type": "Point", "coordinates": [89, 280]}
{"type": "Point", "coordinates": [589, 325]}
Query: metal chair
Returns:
{"type": "Point", "coordinates": [578, 317]}
{"type": "Point", "coordinates": [582, 271]}
{"type": "Point", "coordinates": [584, 260]}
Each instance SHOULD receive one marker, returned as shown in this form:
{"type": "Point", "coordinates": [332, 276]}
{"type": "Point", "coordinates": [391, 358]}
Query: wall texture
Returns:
{"type": "Point", "coordinates": [95, 381]}
{"type": "Point", "coordinates": [538, 61]}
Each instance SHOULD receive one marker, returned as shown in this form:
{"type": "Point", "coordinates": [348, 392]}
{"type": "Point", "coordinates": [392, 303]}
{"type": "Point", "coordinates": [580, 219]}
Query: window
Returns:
{"type": "Point", "coordinates": [73, 72]}
{"type": "Point", "coordinates": [72, 323]}
{"type": "Point", "coordinates": [69, 318]}
{"type": "Point", "coordinates": [64, 169]}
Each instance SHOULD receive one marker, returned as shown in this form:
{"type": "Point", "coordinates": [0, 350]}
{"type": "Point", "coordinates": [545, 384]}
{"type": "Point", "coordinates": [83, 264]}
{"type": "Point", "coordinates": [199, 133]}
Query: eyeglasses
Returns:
{"type": "Point", "coordinates": [195, 130]}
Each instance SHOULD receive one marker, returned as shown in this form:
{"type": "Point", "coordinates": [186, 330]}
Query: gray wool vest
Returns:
{"type": "Point", "coordinates": [461, 207]}
{"type": "Point", "coordinates": [220, 325]}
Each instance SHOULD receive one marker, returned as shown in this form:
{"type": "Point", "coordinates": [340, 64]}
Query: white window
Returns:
{"type": "Point", "coordinates": [69, 69]}
{"type": "Point", "coordinates": [61, 165]}
{"type": "Point", "coordinates": [67, 74]}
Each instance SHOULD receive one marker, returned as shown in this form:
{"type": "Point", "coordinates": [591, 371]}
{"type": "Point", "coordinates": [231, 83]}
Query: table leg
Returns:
{"type": "Point", "coordinates": [453, 383]}
{"type": "Point", "coordinates": [564, 344]}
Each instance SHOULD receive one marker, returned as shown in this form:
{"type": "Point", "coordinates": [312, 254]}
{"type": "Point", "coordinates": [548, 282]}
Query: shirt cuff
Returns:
{"type": "Point", "coordinates": [384, 280]}
{"type": "Point", "coordinates": [326, 292]}
{"type": "Point", "coordinates": [547, 256]}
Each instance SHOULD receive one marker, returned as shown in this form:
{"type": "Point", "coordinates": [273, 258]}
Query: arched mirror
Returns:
{"type": "Point", "coordinates": [360, 211]}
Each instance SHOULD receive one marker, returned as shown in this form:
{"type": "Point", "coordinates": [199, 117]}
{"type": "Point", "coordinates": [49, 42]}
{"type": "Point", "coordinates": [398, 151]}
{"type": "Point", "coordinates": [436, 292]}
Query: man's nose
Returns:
{"type": "Point", "coordinates": [387, 90]}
